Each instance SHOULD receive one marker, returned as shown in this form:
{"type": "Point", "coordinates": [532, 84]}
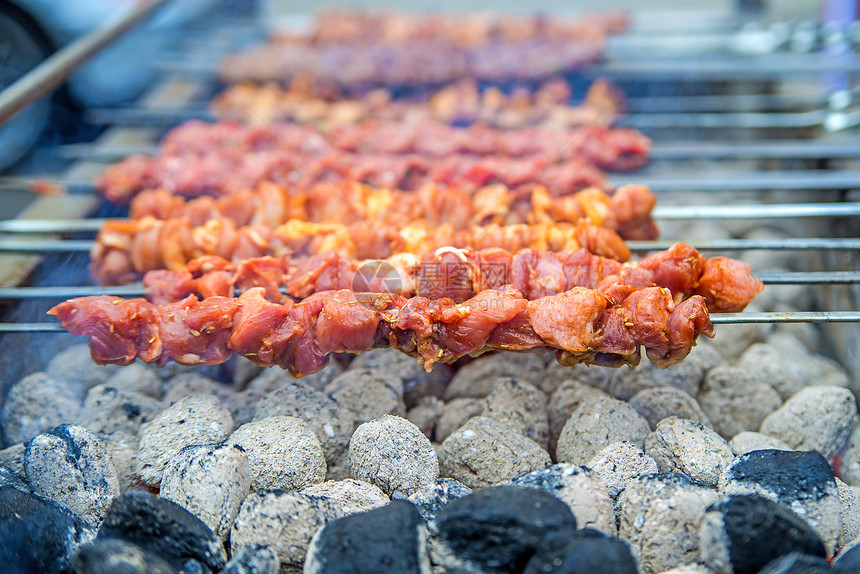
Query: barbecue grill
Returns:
{"type": "Point", "coordinates": [754, 127]}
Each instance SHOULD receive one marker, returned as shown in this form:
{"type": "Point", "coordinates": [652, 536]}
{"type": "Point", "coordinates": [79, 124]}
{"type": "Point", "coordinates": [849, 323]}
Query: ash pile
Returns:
{"type": "Point", "coordinates": [725, 462]}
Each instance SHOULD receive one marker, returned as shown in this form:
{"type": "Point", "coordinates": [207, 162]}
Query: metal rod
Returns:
{"type": "Point", "coordinates": [679, 212]}
{"type": "Point", "coordinates": [716, 319]}
{"type": "Point", "coordinates": [809, 277]}
{"type": "Point", "coordinates": [53, 71]}
{"type": "Point", "coordinates": [795, 180]}
{"type": "Point", "coordinates": [756, 211]}
{"type": "Point", "coordinates": [801, 244]}
{"type": "Point", "coordinates": [45, 246]}
{"type": "Point", "coordinates": [138, 290]}
{"type": "Point", "coordinates": [803, 149]}
{"type": "Point", "coordinates": [50, 225]}
{"type": "Point", "coordinates": [726, 120]}
{"type": "Point", "coordinates": [787, 317]}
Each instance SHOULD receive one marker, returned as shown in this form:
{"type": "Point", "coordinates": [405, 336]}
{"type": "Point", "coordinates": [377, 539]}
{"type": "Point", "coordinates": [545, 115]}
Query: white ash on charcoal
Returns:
{"type": "Point", "coordinates": [484, 452]}
{"type": "Point", "coordinates": [71, 467]}
{"type": "Point", "coordinates": [749, 441]}
{"type": "Point", "coordinates": [476, 379]}
{"type": "Point", "coordinates": [737, 399]}
{"type": "Point", "coordinates": [686, 375]}
{"type": "Point", "coordinates": [659, 516]}
{"type": "Point", "coordinates": [848, 465]}
{"type": "Point", "coordinates": [367, 394]}
{"type": "Point", "coordinates": [38, 535]}
{"type": "Point", "coordinates": [515, 401]}
{"type": "Point", "coordinates": [243, 405]}
{"type": "Point", "coordinates": [110, 409]}
{"type": "Point", "coordinates": [744, 533]}
{"type": "Point", "coordinates": [165, 529]}
{"type": "Point", "coordinates": [566, 398]}
{"type": "Point", "coordinates": [193, 420]}
{"type": "Point", "coordinates": [122, 449]}
{"type": "Point", "coordinates": [75, 367]}
{"type": "Point", "coordinates": [385, 540]}
{"type": "Point", "coordinates": [849, 502]}
{"type": "Point", "coordinates": [431, 499]}
{"type": "Point", "coordinates": [788, 373]}
{"type": "Point", "coordinates": [210, 482]}
{"type": "Point", "coordinates": [734, 340]}
{"type": "Point", "coordinates": [619, 463]}
{"type": "Point", "coordinates": [136, 378]}
{"type": "Point", "coordinates": [12, 458]}
{"type": "Point", "coordinates": [596, 423]}
{"type": "Point", "coordinates": [456, 413]}
{"type": "Point", "coordinates": [687, 447]}
{"type": "Point", "coordinates": [393, 454]}
{"type": "Point", "coordinates": [283, 521]}
{"type": "Point", "coordinates": [273, 378]}
{"type": "Point", "coordinates": [283, 452]}
{"type": "Point", "coordinates": [426, 413]}
{"type": "Point", "coordinates": [498, 529]}
{"type": "Point", "coordinates": [415, 381]}
{"type": "Point", "coordinates": [801, 481]}
{"type": "Point", "coordinates": [689, 569]}
{"type": "Point", "coordinates": [8, 477]}
{"type": "Point", "coordinates": [581, 488]}
{"type": "Point", "coordinates": [330, 422]}
{"type": "Point", "coordinates": [818, 418]}
{"type": "Point", "coordinates": [557, 374]}
{"type": "Point", "coordinates": [351, 495]}
{"type": "Point", "coordinates": [110, 556]}
{"type": "Point", "coordinates": [243, 372]}
{"type": "Point", "coordinates": [659, 403]}
{"type": "Point", "coordinates": [184, 384]}
{"type": "Point", "coordinates": [36, 404]}
{"type": "Point", "coordinates": [253, 559]}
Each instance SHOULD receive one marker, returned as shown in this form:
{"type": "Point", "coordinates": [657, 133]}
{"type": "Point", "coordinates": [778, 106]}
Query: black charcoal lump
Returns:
{"type": "Point", "coordinates": [163, 528]}
{"type": "Point", "coordinates": [38, 535]}
{"type": "Point", "coordinates": [387, 540]}
{"type": "Point", "coordinates": [585, 550]}
{"type": "Point", "coordinates": [499, 528]}
{"type": "Point", "coordinates": [742, 534]}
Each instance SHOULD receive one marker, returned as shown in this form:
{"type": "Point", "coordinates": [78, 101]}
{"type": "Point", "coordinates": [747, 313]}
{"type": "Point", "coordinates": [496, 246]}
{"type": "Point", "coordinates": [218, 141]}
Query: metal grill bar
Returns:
{"type": "Point", "coordinates": [758, 181]}
{"type": "Point", "coordinates": [756, 149]}
{"type": "Point", "coordinates": [660, 212]}
{"type": "Point", "coordinates": [716, 319]}
{"type": "Point", "coordinates": [800, 244]}
{"type": "Point", "coordinates": [138, 290]}
{"type": "Point", "coordinates": [746, 120]}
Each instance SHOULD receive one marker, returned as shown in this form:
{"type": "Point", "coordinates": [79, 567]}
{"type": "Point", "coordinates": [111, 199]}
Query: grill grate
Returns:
{"type": "Point", "coordinates": [755, 136]}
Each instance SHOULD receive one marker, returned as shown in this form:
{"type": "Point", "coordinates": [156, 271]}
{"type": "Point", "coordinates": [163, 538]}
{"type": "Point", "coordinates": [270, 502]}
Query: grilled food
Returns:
{"type": "Point", "coordinates": [581, 324]}
{"type": "Point", "coordinates": [213, 159]}
{"type": "Point", "coordinates": [460, 274]}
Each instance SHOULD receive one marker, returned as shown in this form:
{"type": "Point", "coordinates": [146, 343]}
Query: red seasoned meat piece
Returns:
{"type": "Point", "coordinates": [727, 285]}
{"type": "Point", "coordinates": [112, 324]}
{"type": "Point", "coordinates": [648, 313]}
{"type": "Point", "coordinates": [163, 286]}
{"type": "Point", "coordinates": [689, 319]}
{"type": "Point", "coordinates": [677, 268]}
{"type": "Point", "coordinates": [255, 327]}
{"type": "Point", "coordinates": [345, 325]}
{"type": "Point", "coordinates": [568, 320]}
{"type": "Point", "coordinates": [483, 313]}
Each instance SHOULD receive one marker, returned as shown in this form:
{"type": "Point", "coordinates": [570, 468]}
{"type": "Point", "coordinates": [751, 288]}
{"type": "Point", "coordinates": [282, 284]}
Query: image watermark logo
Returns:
{"type": "Point", "coordinates": [377, 276]}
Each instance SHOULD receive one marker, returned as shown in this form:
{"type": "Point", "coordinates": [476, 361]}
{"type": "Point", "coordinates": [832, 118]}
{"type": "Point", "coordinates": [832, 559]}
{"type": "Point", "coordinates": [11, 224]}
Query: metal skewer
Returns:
{"type": "Point", "coordinates": [716, 319]}
{"type": "Point", "coordinates": [669, 212]}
